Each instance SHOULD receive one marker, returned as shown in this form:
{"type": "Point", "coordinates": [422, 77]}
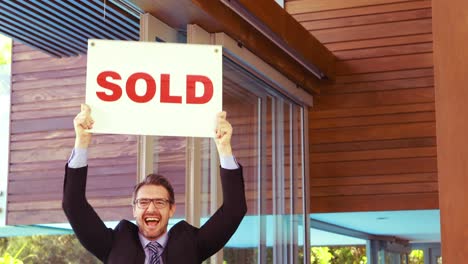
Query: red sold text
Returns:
{"type": "Point", "coordinates": [105, 80]}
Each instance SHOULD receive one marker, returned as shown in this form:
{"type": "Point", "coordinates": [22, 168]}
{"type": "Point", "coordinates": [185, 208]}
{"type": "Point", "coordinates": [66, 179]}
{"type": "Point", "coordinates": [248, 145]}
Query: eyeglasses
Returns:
{"type": "Point", "coordinates": [144, 203]}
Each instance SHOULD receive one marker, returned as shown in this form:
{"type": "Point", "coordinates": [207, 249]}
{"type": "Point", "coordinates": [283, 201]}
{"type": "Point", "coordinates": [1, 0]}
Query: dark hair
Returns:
{"type": "Point", "coordinates": [155, 179]}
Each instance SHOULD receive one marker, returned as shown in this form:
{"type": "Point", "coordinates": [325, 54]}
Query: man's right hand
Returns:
{"type": "Point", "coordinates": [82, 122]}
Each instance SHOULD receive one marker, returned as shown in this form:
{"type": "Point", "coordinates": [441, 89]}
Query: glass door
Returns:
{"type": "Point", "coordinates": [267, 141]}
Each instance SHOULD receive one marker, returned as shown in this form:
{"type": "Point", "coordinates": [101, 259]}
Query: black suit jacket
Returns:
{"type": "Point", "coordinates": [186, 243]}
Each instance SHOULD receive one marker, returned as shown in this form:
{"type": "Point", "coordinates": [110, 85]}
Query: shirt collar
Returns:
{"type": "Point", "coordinates": [162, 240]}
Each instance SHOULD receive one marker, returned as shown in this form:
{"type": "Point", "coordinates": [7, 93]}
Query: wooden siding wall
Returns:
{"type": "Point", "coordinates": [46, 95]}
{"type": "Point", "coordinates": [372, 131]}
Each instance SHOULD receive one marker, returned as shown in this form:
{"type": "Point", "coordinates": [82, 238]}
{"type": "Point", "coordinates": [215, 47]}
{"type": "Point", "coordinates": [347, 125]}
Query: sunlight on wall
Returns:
{"type": "Point", "coordinates": [5, 72]}
{"type": "Point", "coordinates": [5, 50]}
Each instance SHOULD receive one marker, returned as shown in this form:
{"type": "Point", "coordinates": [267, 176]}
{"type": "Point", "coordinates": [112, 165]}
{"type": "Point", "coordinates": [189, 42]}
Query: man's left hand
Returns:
{"type": "Point", "coordinates": [223, 135]}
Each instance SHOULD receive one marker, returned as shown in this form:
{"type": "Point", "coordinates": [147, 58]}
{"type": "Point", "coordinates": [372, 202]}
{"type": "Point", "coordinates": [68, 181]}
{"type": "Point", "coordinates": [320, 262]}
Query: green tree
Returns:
{"type": "Point", "coordinates": [8, 258]}
{"type": "Point", "coordinates": [416, 257]}
{"type": "Point", "coordinates": [339, 255]}
{"type": "Point", "coordinates": [5, 60]}
{"type": "Point", "coordinates": [320, 255]}
{"type": "Point", "coordinates": [64, 249]}
{"type": "Point", "coordinates": [5, 50]}
{"type": "Point", "coordinates": [349, 255]}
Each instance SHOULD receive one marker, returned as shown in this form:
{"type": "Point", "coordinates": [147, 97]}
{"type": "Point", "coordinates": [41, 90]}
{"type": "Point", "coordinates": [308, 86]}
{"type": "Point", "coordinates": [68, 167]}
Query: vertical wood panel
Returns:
{"type": "Point", "coordinates": [372, 132]}
{"type": "Point", "coordinates": [451, 56]}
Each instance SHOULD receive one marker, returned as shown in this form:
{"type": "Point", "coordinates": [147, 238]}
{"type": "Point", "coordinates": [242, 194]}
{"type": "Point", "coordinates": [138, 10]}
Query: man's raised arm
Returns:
{"type": "Point", "coordinates": [88, 227]}
{"type": "Point", "coordinates": [215, 233]}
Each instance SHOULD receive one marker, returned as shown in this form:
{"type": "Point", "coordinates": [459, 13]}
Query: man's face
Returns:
{"type": "Point", "coordinates": [152, 222]}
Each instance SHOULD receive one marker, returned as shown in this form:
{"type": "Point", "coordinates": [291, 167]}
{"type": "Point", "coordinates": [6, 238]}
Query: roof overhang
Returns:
{"type": "Point", "coordinates": [261, 26]}
{"type": "Point", "coordinates": [62, 28]}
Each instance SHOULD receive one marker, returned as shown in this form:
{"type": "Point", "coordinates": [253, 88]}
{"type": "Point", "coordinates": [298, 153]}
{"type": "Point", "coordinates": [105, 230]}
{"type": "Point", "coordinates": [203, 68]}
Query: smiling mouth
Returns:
{"type": "Point", "coordinates": [152, 220]}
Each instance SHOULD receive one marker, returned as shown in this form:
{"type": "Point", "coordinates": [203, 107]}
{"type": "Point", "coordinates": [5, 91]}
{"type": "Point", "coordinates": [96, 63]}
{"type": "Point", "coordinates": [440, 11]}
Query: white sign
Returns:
{"type": "Point", "coordinates": [149, 88]}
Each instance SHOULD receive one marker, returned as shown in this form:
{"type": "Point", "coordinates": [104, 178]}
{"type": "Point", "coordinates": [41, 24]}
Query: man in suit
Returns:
{"type": "Point", "coordinates": [149, 241]}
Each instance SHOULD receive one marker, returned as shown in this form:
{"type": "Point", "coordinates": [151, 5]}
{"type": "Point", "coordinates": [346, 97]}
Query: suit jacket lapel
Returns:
{"type": "Point", "coordinates": [167, 247]}
{"type": "Point", "coordinates": [140, 252]}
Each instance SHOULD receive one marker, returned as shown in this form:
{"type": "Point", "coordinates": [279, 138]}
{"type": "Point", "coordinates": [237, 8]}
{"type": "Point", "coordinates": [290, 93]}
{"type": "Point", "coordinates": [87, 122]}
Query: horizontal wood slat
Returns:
{"type": "Point", "coordinates": [375, 99]}
{"type": "Point", "coordinates": [384, 51]}
{"type": "Point", "coordinates": [38, 76]}
{"type": "Point", "coordinates": [368, 19]}
{"type": "Point", "coordinates": [56, 81]}
{"type": "Point", "coordinates": [39, 125]}
{"type": "Point", "coordinates": [48, 64]}
{"type": "Point", "coordinates": [364, 111]}
{"type": "Point", "coordinates": [32, 187]}
{"type": "Point", "coordinates": [380, 42]}
{"type": "Point", "coordinates": [43, 135]}
{"type": "Point", "coordinates": [381, 132]}
{"type": "Point", "coordinates": [57, 216]}
{"type": "Point", "coordinates": [58, 171]}
{"type": "Point", "coordinates": [19, 47]}
{"type": "Point", "coordinates": [389, 75]}
{"type": "Point", "coordinates": [381, 85]}
{"type": "Point", "coordinates": [376, 202]}
{"type": "Point", "coordinates": [303, 6]}
{"type": "Point", "coordinates": [392, 63]}
{"type": "Point", "coordinates": [365, 121]}
{"type": "Point", "coordinates": [402, 28]}
{"type": "Point", "coordinates": [44, 113]}
{"type": "Point", "coordinates": [373, 120]}
{"type": "Point", "coordinates": [54, 205]}
{"type": "Point", "coordinates": [363, 189]}
{"type": "Point", "coordinates": [373, 154]}
{"type": "Point", "coordinates": [357, 11]}
{"type": "Point", "coordinates": [60, 164]}
{"type": "Point", "coordinates": [47, 94]}
{"type": "Point", "coordinates": [375, 179]}
{"type": "Point", "coordinates": [376, 144]}
{"type": "Point", "coordinates": [73, 104]}
{"type": "Point", "coordinates": [374, 167]}
{"type": "Point", "coordinates": [29, 55]}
